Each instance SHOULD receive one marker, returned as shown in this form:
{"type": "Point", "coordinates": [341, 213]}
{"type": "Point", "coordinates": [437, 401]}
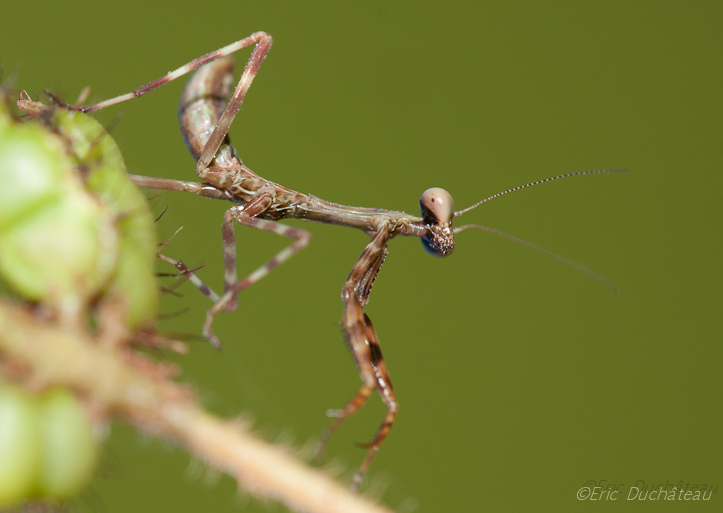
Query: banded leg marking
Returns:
{"type": "Point", "coordinates": [383, 385]}
{"type": "Point", "coordinates": [363, 343]}
{"type": "Point", "coordinates": [263, 45]}
{"type": "Point", "coordinates": [341, 415]}
{"type": "Point", "coordinates": [229, 300]}
{"type": "Point", "coordinates": [197, 282]}
{"type": "Point", "coordinates": [261, 39]}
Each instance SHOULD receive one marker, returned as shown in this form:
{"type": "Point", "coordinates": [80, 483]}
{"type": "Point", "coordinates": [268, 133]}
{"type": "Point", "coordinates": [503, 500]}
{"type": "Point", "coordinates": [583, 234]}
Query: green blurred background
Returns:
{"type": "Point", "coordinates": [519, 379]}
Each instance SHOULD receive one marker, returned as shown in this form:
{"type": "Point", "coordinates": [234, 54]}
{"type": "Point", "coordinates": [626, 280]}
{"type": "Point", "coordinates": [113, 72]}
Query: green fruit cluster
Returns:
{"type": "Point", "coordinates": [73, 228]}
{"type": "Point", "coordinates": [47, 449]}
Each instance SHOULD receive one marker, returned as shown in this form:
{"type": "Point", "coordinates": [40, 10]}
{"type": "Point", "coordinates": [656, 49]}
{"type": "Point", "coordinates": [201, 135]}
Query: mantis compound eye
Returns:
{"type": "Point", "coordinates": [437, 206]}
{"type": "Point", "coordinates": [437, 213]}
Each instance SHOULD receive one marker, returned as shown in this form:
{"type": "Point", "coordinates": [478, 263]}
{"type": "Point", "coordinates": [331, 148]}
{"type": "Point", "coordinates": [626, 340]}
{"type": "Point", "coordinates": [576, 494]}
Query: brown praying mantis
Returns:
{"type": "Point", "coordinates": [205, 115]}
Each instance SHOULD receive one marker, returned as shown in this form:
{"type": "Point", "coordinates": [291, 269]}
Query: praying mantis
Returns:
{"type": "Point", "coordinates": [206, 113]}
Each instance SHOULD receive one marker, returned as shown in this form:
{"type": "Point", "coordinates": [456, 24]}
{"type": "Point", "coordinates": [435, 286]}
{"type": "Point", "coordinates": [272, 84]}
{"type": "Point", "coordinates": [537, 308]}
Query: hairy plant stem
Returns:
{"type": "Point", "coordinates": [51, 355]}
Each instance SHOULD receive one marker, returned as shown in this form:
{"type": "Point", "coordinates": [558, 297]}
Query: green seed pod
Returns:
{"type": "Point", "coordinates": [47, 448]}
{"type": "Point", "coordinates": [134, 280]}
{"type": "Point", "coordinates": [20, 451]}
{"type": "Point", "coordinates": [58, 253]}
{"type": "Point", "coordinates": [40, 162]}
{"type": "Point", "coordinates": [56, 242]}
{"type": "Point", "coordinates": [69, 450]}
